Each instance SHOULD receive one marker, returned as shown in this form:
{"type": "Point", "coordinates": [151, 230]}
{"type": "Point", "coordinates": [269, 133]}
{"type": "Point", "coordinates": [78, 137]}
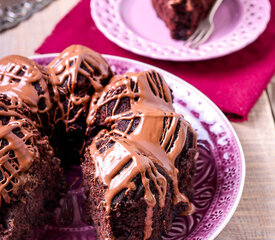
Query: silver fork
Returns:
{"type": "Point", "coordinates": [205, 28]}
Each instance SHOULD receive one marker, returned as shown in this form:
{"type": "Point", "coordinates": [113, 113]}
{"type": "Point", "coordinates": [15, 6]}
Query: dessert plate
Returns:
{"type": "Point", "coordinates": [219, 178]}
{"type": "Point", "coordinates": [134, 25]}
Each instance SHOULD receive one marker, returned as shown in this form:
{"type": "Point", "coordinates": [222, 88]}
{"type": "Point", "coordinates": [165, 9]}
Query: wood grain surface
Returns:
{"type": "Point", "coordinates": [255, 218]}
{"type": "Point", "coordinates": [255, 215]}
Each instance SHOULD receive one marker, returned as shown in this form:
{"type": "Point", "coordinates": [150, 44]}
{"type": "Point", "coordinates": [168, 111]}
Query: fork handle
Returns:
{"type": "Point", "coordinates": [214, 8]}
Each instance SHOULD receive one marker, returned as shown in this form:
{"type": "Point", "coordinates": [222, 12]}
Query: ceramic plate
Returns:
{"type": "Point", "coordinates": [134, 25]}
{"type": "Point", "coordinates": [219, 177]}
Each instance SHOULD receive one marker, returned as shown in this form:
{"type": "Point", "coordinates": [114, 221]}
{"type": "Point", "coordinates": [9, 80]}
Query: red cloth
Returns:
{"type": "Point", "coordinates": [233, 82]}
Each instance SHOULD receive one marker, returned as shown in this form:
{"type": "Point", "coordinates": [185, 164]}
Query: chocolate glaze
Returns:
{"type": "Point", "coordinates": [23, 79]}
{"type": "Point", "coordinates": [65, 73]}
{"type": "Point", "coordinates": [24, 95]}
{"type": "Point", "coordinates": [157, 140]}
{"type": "Point", "coordinates": [18, 150]}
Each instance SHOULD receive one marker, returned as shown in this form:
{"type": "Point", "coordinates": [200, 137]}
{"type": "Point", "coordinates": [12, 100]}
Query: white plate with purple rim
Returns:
{"type": "Point", "coordinates": [134, 26]}
{"type": "Point", "coordinates": [219, 178]}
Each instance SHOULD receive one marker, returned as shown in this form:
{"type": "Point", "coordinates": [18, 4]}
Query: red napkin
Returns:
{"type": "Point", "coordinates": [233, 82]}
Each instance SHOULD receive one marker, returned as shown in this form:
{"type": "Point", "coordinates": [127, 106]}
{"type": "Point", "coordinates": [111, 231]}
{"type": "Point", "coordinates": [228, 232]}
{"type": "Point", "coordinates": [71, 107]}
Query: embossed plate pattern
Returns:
{"type": "Point", "coordinates": [219, 178]}
{"type": "Point", "coordinates": [134, 25]}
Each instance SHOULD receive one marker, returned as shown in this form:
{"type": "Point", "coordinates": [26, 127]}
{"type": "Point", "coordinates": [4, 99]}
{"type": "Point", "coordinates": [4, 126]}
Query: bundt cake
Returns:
{"type": "Point", "coordinates": [138, 155]}
{"type": "Point", "coordinates": [182, 17]}
{"type": "Point", "coordinates": [132, 166]}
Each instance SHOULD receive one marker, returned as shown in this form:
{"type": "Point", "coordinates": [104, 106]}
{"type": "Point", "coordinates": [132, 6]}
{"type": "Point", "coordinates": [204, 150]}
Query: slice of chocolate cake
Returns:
{"type": "Point", "coordinates": [31, 181]}
{"type": "Point", "coordinates": [76, 74]}
{"type": "Point", "coordinates": [182, 17]}
{"type": "Point", "coordinates": [138, 171]}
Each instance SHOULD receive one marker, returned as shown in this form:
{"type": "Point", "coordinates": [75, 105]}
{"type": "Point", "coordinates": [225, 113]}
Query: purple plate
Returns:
{"type": "Point", "coordinates": [134, 25]}
{"type": "Point", "coordinates": [219, 177]}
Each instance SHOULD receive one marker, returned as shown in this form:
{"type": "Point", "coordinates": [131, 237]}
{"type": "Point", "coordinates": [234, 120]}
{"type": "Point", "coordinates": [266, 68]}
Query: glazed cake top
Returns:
{"type": "Point", "coordinates": [156, 139]}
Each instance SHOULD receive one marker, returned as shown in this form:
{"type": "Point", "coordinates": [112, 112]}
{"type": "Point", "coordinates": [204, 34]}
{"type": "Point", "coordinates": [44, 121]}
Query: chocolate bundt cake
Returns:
{"type": "Point", "coordinates": [138, 154]}
{"type": "Point", "coordinates": [182, 17]}
{"type": "Point", "coordinates": [132, 167]}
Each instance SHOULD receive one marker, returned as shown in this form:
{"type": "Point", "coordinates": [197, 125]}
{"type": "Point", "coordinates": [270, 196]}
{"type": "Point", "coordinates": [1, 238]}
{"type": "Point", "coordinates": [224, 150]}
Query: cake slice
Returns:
{"type": "Point", "coordinates": [75, 75]}
{"type": "Point", "coordinates": [31, 180]}
{"type": "Point", "coordinates": [138, 171]}
{"type": "Point", "coordinates": [182, 17]}
{"type": "Point", "coordinates": [129, 194]}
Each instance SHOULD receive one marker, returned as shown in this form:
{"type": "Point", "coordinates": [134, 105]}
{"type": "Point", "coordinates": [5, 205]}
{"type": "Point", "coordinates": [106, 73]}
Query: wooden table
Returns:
{"type": "Point", "coordinates": [255, 215]}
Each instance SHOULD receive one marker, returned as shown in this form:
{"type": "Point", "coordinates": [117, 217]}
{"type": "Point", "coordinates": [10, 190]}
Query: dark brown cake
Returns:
{"type": "Point", "coordinates": [132, 168]}
{"type": "Point", "coordinates": [182, 17]}
{"type": "Point", "coordinates": [139, 159]}
{"type": "Point", "coordinates": [76, 74]}
{"type": "Point", "coordinates": [31, 180]}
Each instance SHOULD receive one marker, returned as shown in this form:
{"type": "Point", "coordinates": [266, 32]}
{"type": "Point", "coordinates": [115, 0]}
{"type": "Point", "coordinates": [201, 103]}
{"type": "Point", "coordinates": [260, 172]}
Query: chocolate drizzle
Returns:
{"type": "Point", "coordinates": [17, 150]}
{"type": "Point", "coordinates": [23, 79]}
{"type": "Point", "coordinates": [76, 74]}
{"type": "Point", "coordinates": [24, 96]}
{"type": "Point", "coordinates": [157, 139]}
{"type": "Point", "coordinates": [25, 105]}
